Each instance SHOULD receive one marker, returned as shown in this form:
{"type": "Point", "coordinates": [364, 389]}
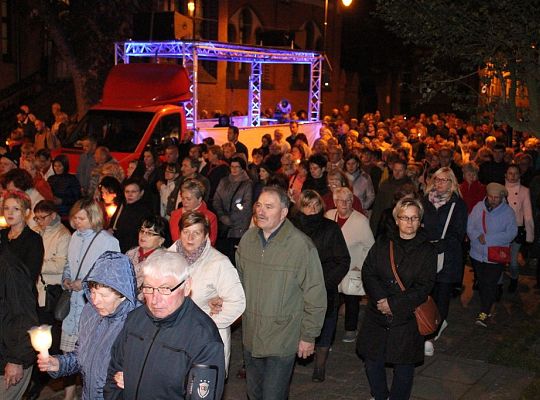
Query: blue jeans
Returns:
{"type": "Point", "coordinates": [402, 381]}
{"type": "Point", "coordinates": [268, 378]}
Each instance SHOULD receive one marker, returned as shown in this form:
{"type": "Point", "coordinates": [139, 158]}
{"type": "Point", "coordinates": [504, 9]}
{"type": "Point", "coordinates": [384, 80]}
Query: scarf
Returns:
{"type": "Point", "coordinates": [439, 199]}
{"type": "Point", "coordinates": [190, 257]}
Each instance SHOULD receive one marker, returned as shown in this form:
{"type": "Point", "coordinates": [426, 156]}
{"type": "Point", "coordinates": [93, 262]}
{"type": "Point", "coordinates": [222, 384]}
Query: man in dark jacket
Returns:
{"type": "Point", "coordinates": [18, 314]}
{"type": "Point", "coordinates": [166, 341]}
{"type": "Point", "coordinates": [385, 195]}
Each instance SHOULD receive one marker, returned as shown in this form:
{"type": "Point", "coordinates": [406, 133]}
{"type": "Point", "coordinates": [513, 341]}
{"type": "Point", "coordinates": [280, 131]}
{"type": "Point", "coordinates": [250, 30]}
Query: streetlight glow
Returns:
{"type": "Point", "coordinates": [191, 7]}
{"type": "Point", "coordinates": [346, 3]}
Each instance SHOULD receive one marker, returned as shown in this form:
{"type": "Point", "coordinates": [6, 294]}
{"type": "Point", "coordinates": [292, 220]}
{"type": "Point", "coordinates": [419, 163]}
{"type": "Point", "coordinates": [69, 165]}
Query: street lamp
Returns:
{"type": "Point", "coordinates": [191, 8]}
{"type": "Point", "coordinates": [345, 3]}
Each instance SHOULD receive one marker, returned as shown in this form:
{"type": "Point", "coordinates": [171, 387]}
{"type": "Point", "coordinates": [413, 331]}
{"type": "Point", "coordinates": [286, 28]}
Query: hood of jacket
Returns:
{"type": "Point", "coordinates": [115, 270]}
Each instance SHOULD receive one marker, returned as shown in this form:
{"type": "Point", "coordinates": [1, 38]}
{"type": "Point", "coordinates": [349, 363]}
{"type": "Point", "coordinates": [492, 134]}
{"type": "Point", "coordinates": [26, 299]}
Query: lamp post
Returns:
{"type": "Point", "coordinates": [345, 3]}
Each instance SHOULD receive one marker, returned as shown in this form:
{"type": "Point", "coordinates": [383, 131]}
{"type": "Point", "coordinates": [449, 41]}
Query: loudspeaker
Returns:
{"type": "Point", "coordinates": [162, 26]}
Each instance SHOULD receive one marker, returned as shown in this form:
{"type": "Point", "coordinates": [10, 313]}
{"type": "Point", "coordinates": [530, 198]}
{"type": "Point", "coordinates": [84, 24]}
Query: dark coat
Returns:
{"type": "Point", "coordinates": [127, 221]}
{"type": "Point", "coordinates": [17, 311]}
{"type": "Point", "coordinates": [332, 248]}
{"type": "Point", "coordinates": [433, 221]}
{"type": "Point", "coordinates": [157, 354]}
{"type": "Point", "coordinates": [396, 339]}
{"type": "Point", "coordinates": [384, 200]}
{"type": "Point", "coordinates": [28, 247]}
{"type": "Point", "coordinates": [320, 185]}
{"type": "Point", "coordinates": [67, 188]}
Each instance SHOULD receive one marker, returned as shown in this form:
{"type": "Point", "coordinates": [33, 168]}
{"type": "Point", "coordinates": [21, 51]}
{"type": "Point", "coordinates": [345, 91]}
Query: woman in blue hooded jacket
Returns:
{"type": "Point", "coordinates": [111, 290]}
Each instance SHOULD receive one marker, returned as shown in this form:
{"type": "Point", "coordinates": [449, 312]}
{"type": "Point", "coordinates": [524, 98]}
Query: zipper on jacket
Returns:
{"type": "Point", "coordinates": [144, 363]}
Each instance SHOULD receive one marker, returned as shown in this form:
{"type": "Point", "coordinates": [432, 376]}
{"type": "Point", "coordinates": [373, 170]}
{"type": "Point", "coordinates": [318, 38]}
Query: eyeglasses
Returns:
{"type": "Point", "coordinates": [37, 219]}
{"type": "Point", "coordinates": [192, 234]}
{"type": "Point", "coordinates": [147, 232]}
{"type": "Point", "coordinates": [165, 291]}
{"type": "Point", "coordinates": [404, 218]}
{"type": "Point", "coordinates": [442, 180]}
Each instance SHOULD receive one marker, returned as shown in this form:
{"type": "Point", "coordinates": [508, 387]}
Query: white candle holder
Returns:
{"type": "Point", "coordinates": [41, 339]}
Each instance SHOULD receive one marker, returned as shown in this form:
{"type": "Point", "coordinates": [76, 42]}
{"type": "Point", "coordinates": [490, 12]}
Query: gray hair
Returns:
{"type": "Point", "coordinates": [164, 263]}
{"type": "Point", "coordinates": [342, 191]}
{"type": "Point", "coordinates": [282, 195]}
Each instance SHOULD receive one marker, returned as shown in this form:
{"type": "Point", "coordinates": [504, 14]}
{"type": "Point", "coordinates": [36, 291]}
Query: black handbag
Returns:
{"type": "Point", "coordinates": [521, 235]}
{"type": "Point", "coordinates": [63, 305]}
{"type": "Point", "coordinates": [52, 295]}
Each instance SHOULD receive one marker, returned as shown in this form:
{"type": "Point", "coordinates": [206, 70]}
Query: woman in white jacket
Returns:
{"type": "Point", "coordinates": [519, 199]}
{"type": "Point", "coordinates": [215, 287]}
{"type": "Point", "coordinates": [55, 237]}
{"type": "Point", "coordinates": [359, 239]}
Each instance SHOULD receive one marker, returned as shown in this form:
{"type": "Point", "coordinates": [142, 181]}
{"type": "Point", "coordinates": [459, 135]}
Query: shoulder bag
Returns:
{"type": "Point", "coordinates": [63, 304]}
{"type": "Point", "coordinates": [427, 315]}
{"type": "Point", "coordinates": [440, 256]}
{"type": "Point", "coordinates": [496, 254]}
{"type": "Point", "coordinates": [52, 294]}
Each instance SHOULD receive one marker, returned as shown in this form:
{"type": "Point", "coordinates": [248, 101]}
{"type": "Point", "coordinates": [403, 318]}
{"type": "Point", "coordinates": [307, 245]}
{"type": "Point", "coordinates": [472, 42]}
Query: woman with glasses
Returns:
{"type": "Point", "coordinates": [359, 239]}
{"type": "Point", "coordinates": [233, 205]}
{"type": "Point", "coordinates": [215, 286]}
{"type": "Point", "coordinates": [55, 238]}
{"type": "Point", "coordinates": [153, 235]}
{"type": "Point", "coordinates": [389, 333]}
{"type": "Point", "coordinates": [87, 243]}
{"type": "Point", "coordinates": [445, 222]}
{"type": "Point", "coordinates": [111, 293]}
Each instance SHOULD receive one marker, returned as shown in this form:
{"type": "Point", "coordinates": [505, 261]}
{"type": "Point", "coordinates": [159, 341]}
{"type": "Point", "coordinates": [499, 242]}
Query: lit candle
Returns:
{"type": "Point", "coordinates": [111, 209]}
{"type": "Point", "coordinates": [3, 223]}
{"type": "Point", "coordinates": [41, 339]}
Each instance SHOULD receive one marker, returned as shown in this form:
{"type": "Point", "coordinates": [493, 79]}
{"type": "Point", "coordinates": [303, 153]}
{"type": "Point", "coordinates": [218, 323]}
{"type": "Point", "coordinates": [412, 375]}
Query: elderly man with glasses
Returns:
{"type": "Point", "coordinates": [167, 340]}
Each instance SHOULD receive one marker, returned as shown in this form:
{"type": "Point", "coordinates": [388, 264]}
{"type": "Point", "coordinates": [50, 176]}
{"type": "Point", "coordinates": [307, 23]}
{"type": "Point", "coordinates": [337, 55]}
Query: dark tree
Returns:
{"type": "Point", "coordinates": [496, 40]}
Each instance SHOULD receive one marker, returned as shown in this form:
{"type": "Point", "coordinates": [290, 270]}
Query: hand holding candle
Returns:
{"type": "Point", "coordinates": [110, 210]}
{"type": "Point", "coordinates": [41, 339]}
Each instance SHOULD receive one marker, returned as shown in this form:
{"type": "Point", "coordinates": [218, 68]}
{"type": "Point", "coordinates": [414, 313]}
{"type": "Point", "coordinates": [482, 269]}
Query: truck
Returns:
{"type": "Point", "coordinates": [141, 106]}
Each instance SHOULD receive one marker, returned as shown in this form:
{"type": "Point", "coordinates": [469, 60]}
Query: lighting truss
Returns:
{"type": "Point", "coordinates": [192, 51]}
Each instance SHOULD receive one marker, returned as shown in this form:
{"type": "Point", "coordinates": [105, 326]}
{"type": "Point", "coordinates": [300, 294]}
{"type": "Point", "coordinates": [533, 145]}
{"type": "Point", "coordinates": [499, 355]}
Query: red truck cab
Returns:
{"type": "Point", "coordinates": [141, 106]}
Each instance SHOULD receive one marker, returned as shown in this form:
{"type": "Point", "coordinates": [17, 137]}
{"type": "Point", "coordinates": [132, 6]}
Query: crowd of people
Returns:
{"type": "Point", "coordinates": [189, 238]}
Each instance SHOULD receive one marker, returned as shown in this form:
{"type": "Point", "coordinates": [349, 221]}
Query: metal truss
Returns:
{"type": "Point", "coordinates": [192, 51]}
{"type": "Point", "coordinates": [255, 88]}
{"type": "Point", "coordinates": [315, 89]}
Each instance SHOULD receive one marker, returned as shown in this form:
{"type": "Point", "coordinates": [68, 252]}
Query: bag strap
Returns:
{"type": "Point", "coordinates": [484, 220]}
{"type": "Point", "coordinates": [117, 217]}
{"type": "Point", "coordinates": [85, 253]}
{"type": "Point", "coordinates": [448, 219]}
{"type": "Point", "coordinates": [393, 264]}
{"type": "Point", "coordinates": [234, 194]}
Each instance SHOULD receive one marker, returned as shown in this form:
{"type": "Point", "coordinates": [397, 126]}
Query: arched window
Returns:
{"type": "Point", "coordinates": [244, 27]}
{"type": "Point", "coordinates": [308, 37]}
